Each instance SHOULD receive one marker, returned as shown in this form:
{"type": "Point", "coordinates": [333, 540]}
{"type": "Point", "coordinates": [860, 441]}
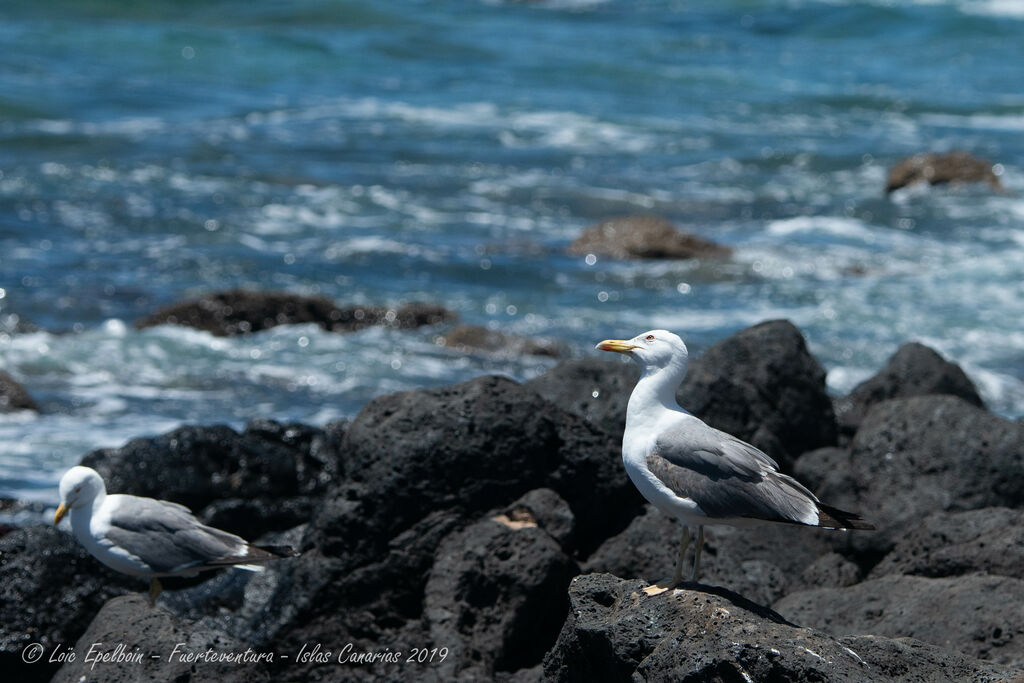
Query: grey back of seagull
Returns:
{"type": "Point", "coordinates": [168, 538]}
{"type": "Point", "coordinates": [728, 478]}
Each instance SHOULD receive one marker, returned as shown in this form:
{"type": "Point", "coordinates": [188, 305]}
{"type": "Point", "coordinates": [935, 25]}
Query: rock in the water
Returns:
{"type": "Point", "coordinates": [129, 623]}
{"type": "Point", "coordinates": [989, 540]}
{"type": "Point", "coordinates": [936, 169]}
{"type": "Point", "coordinates": [496, 597]}
{"type": "Point", "coordinates": [13, 395]}
{"type": "Point", "coordinates": [241, 311]}
{"type": "Point", "coordinates": [643, 237]}
{"type": "Point", "coordinates": [596, 390]}
{"type": "Point", "coordinates": [50, 588]}
{"type": "Point", "coordinates": [477, 338]}
{"type": "Point", "coordinates": [914, 370]}
{"type": "Point", "coordinates": [763, 386]}
{"type": "Point", "coordinates": [916, 456]}
{"type": "Point", "coordinates": [979, 615]}
{"type": "Point", "coordinates": [615, 633]}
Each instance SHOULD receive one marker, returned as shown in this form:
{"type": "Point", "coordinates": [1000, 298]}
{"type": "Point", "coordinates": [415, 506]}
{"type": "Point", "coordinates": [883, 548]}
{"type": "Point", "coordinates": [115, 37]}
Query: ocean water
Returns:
{"type": "Point", "coordinates": [449, 152]}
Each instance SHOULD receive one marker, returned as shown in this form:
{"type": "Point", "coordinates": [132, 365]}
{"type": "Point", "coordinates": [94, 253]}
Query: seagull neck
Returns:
{"type": "Point", "coordinates": [80, 517]}
{"type": "Point", "coordinates": [656, 387]}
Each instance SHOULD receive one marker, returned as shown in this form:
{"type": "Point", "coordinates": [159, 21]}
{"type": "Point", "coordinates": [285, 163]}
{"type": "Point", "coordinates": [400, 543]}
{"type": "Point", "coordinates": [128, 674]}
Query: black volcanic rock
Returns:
{"type": "Point", "coordinates": [763, 386]}
{"type": "Point", "coordinates": [13, 395]}
{"type": "Point", "coordinates": [615, 633]}
{"type": "Point", "coordinates": [477, 338]}
{"type": "Point", "coordinates": [762, 563]}
{"type": "Point", "coordinates": [977, 614]}
{"type": "Point", "coordinates": [990, 540]}
{"type": "Point", "coordinates": [130, 621]}
{"type": "Point", "coordinates": [240, 311]}
{"type": "Point", "coordinates": [251, 480]}
{"type": "Point", "coordinates": [595, 389]}
{"type": "Point", "coordinates": [50, 588]}
{"type": "Point", "coordinates": [496, 597]}
{"type": "Point", "coordinates": [643, 237]}
{"type": "Point", "coordinates": [916, 456]}
{"type": "Point", "coordinates": [914, 370]}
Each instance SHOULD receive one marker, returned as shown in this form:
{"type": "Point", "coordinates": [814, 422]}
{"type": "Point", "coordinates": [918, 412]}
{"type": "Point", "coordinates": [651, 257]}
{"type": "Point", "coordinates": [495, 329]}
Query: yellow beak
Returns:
{"type": "Point", "coordinates": [61, 511]}
{"type": "Point", "coordinates": [616, 345]}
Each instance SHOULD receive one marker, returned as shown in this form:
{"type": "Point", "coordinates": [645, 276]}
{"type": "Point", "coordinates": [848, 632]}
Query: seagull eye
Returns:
{"type": "Point", "coordinates": [649, 338]}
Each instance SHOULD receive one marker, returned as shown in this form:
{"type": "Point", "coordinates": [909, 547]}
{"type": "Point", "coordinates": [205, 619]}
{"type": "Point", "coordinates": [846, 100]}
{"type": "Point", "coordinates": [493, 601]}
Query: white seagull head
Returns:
{"type": "Point", "coordinates": [79, 487]}
{"type": "Point", "coordinates": [653, 350]}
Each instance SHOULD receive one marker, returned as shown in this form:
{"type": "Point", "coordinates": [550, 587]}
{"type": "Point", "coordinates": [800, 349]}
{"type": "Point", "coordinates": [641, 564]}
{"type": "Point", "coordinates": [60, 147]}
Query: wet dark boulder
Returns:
{"type": "Point", "coordinates": [496, 595]}
{"type": "Point", "coordinates": [154, 644]}
{"type": "Point", "coordinates": [977, 614]}
{"type": "Point", "coordinates": [913, 457]}
{"type": "Point", "coordinates": [914, 370]}
{"type": "Point", "coordinates": [615, 633]}
{"type": "Point", "coordinates": [480, 339]}
{"type": "Point", "coordinates": [763, 386]}
{"type": "Point", "coordinates": [50, 588]}
{"type": "Point", "coordinates": [240, 311]}
{"type": "Point", "coordinates": [595, 389]}
{"type": "Point", "coordinates": [989, 540]}
{"type": "Point", "coordinates": [937, 169]}
{"type": "Point", "coordinates": [14, 396]}
{"type": "Point", "coordinates": [643, 237]}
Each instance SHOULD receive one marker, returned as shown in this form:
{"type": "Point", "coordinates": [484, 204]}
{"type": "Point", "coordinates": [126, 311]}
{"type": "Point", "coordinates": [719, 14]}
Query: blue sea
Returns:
{"type": "Point", "coordinates": [386, 152]}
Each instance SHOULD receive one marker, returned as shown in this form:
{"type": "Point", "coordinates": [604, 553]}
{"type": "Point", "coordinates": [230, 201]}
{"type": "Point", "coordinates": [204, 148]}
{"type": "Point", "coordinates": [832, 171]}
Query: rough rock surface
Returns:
{"type": "Point", "coordinates": [597, 390]}
{"type": "Point", "coordinates": [643, 237]}
{"type": "Point", "coordinates": [615, 633]}
{"type": "Point", "coordinates": [916, 456]}
{"type": "Point", "coordinates": [496, 596]}
{"type": "Point", "coordinates": [914, 370]}
{"type": "Point", "coordinates": [936, 169]}
{"type": "Point", "coordinates": [762, 563]}
{"type": "Point", "coordinates": [50, 589]}
{"type": "Point", "coordinates": [163, 643]}
{"type": "Point", "coordinates": [477, 338]}
{"type": "Point", "coordinates": [989, 540]}
{"type": "Point", "coordinates": [258, 481]}
{"type": "Point", "coordinates": [241, 311]}
{"type": "Point", "coordinates": [974, 614]}
{"type": "Point", "coordinates": [13, 396]}
{"type": "Point", "coordinates": [762, 385]}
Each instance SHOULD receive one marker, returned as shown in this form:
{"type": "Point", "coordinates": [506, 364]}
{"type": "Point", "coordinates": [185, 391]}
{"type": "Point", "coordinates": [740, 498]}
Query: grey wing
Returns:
{"type": "Point", "coordinates": [168, 538]}
{"type": "Point", "coordinates": [726, 477]}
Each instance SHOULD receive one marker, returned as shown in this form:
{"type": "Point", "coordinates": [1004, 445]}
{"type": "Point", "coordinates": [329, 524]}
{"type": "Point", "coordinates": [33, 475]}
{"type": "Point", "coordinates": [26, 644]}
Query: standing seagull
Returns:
{"type": "Point", "coordinates": [150, 538]}
{"type": "Point", "coordinates": [697, 473]}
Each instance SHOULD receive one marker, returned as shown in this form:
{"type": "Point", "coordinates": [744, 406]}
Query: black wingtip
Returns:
{"type": "Point", "coordinates": [834, 518]}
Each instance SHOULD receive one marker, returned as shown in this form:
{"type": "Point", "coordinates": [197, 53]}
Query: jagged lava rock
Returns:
{"type": "Point", "coordinates": [251, 480]}
{"type": "Point", "coordinates": [914, 370]}
{"type": "Point", "coordinates": [763, 386]}
{"type": "Point", "coordinates": [989, 540]}
{"type": "Point", "coordinates": [763, 562]}
{"type": "Point", "coordinates": [936, 169]}
{"type": "Point", "coordinates": [496, 596]}
{"type": "Point", "coordinates": [615, 633]}
{"type": "Point", "coordinates": [131, 622]}
{"type": "Point", "coordinates": [643, 237]}
{"type": "Point", "coordinates": [14, 396]}
{"type": "Point", "coordinates": [916, 456]}
{"type": "Point", "coordinates": [597, 390]}
{"type": "Point", "coordinates": [977, 614]}
{"type": "Point", "coordinates": [50, 588]}
{"type": "Point", "coordinates": [240, 311]}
